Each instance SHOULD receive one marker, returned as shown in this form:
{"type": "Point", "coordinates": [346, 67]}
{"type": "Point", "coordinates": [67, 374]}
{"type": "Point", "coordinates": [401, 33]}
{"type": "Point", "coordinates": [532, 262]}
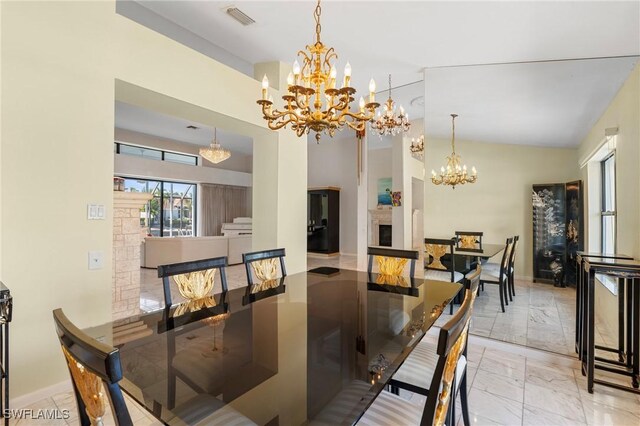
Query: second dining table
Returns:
{"type": "Point", "coordinates": [310, 348]}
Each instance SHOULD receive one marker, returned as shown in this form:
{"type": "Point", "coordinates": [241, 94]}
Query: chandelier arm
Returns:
{"type": "Point", "coordinates": [331, 54]}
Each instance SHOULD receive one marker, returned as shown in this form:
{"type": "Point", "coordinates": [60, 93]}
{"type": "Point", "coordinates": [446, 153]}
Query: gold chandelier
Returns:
{"type": "Point", "coordinates": [215, 153]}
{"type": "Point", "coordinates": [454, 174]}
{"type": "Point", "coordinates": [417, 147]}
{"type": "Point", "coordinates": [313, 102]}
{"type": "Point", "coordinates": [388, 123]}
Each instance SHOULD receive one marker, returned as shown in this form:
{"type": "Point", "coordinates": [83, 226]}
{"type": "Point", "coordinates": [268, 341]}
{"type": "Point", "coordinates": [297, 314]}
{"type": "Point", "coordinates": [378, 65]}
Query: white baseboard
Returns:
{"type": "Point", "coordinates": [524, 278]}
{"type": "Point", "coordinates": [40, 394]}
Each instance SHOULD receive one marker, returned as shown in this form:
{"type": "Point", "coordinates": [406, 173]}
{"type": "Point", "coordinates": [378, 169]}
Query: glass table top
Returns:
{"type": "Point", "coordinates": [303, 349]}
{"type": "Point", "coordinates": [485, 251]}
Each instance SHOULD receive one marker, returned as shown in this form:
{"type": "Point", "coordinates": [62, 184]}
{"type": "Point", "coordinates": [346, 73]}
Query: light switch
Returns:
{"type": "Point", "coordinates": [100, 211]}
{"type": "Point", "coordinates": [96, 260]}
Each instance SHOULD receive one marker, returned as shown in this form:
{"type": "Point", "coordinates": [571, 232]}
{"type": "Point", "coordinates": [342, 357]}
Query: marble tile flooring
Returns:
{"type": "Point", "coordinates": [508, 384]}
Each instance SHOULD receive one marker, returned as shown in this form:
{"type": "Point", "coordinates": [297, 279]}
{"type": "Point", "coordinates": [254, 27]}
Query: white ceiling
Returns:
{"type": "Point", "coordinates": [130, 117]}
{"type": "Point", "coordinates": [551, 104]}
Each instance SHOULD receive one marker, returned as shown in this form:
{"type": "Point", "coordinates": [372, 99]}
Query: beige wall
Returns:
{"type": "Point", "coordinates": [499, 203]}
{"type": "Point", "coordinates": [62, 64]}
{"type": "Point", "coordinates": [623, 113]}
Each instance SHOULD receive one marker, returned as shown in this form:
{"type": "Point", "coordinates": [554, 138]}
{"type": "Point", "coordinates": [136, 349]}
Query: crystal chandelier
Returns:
{"type": "Point", "coordinates": [215, 153]}
{"type": "Point", "coordinates": [454, 174]}
{"type": "Point", "coordinates": [313, 101]}
{"type": "Point", "coordinates": [417, 147]}
{"type": "Point", "coordinates": [388, 123]}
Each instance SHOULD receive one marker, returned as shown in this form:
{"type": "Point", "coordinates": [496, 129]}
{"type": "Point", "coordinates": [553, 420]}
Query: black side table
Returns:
{"type": "Point", "coordinates": [6, 310]}
{"type": "Point", "coordinates": [629, 271]}
{"type": "Point", "coordinates": [581, 256]}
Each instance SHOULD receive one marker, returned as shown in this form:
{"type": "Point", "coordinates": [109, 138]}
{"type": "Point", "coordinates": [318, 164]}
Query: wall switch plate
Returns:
{"type": "Point", "coordinates": [96, 260]}
{"type": "Point", "coordinates": [96, 212]}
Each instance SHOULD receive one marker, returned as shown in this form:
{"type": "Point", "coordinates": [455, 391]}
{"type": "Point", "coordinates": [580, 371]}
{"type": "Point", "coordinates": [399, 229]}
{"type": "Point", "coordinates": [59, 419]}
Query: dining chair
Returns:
{"type": "Point", "coordinates": [416, 372]}
{"type": "Point", "coordinates": [494, 266]}
{"type": "Point", "coordinates": [195, 279]}
{"type": "Point", "coordinates": [435, 268]}
{"type": "Point", "coordinates": [499, 276]}
{"type": "Point", "coordinates": [94, 367]}
{"type": "Point", "coordinates": [392, 261]}
{"type": "Point", "coordinates": [264, 265]}
{"type": "Point", "coordinates": [469, 239]}
{"type": "Point", "coordinates": [448, 359]}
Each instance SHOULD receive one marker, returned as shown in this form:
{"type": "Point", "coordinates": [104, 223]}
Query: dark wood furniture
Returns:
{"type": "Point", "coordinates": [470, 240]}
{"type": "Point", "coordinates": [323, 222]}
{"type": "Point", "coordinates": [412, 255]}
{"type": "Point", "coordinates": [101, 364]}
{"type": "Point", "coordinates": [557, 231]}
{"type": "Point", "coordinates": [440, 263]}
{"type": "Point", "coordinates": [581, 256]}
{"type": "Point", "coordinates": [255, 256]}
{"type": "Point", "coordinates": [629, 271]}
{"type": "Point", "coordinates": [293, 349]}
{"type": "Point", "coordinates": [167, 271]}
{"type": "Point", "coordinates": [6, 313]}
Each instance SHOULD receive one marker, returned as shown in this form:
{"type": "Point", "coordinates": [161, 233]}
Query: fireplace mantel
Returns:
{"type": "Point", "coordinates": [378, 217]}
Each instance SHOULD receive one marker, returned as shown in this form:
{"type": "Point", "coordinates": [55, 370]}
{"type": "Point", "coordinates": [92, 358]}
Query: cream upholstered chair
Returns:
{"type": "Point", "coordinates": [416, 372]}
{"type": "Point", "coordinates": [500, 276]}
{"type": "Point", "coordinates": [510, 272]}
{"type": "Point", "coordinates": [435, 268]}
{"type": "Point", "coordinates": [390, 409]}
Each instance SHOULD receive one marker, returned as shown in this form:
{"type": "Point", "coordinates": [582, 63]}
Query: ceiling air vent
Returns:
{"type": "Point", "coordinates": [239, 16]}
{"type": "Point", "coordinates": [192, 127]}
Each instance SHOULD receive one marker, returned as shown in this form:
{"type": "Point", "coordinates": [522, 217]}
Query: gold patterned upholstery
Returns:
{"type": "Point", "coordinates": [448, 376]}
{"type": "Point", "coordinates": [391, 265]}
{"type": "Point", "coordinates": [90, 388]}
{"type": "Point", "coordinates": [468, 241]}
{"type": "Point", "coordinates": [195, 285]}
{"type": "Point", "coordinates": [265, 269]}
{"type": "Point", "coordinates": [436, 251]}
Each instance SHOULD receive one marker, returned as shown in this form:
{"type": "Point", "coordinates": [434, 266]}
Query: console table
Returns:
{"type": "Point", "coordinates": [6, 309]}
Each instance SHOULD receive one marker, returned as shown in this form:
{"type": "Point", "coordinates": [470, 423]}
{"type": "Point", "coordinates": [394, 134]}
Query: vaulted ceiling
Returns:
{"type": "Point", "coordinates": [458, 43]}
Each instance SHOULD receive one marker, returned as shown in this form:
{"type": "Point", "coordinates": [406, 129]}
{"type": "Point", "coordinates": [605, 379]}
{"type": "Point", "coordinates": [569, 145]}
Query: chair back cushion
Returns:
{"type": "Point", "coordinates": [391, 262]}
{"type": "Point", "coordinates": [195, 279]}
{"type": "Point", "coordinates": [264, 266]}
{"type": "Point", "coordinates": [435, 250]}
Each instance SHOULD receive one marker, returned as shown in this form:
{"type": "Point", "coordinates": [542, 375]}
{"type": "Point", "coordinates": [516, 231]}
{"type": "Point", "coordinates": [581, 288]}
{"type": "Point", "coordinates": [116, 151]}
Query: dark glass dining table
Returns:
{"type": "Point", "coordinates": [309, 348]}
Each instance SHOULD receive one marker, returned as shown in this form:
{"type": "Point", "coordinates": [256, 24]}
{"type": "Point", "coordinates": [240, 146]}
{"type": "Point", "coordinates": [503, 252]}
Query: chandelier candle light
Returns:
{"type": "Point", "coordinates": [388, 123]}
{"type": "Point", "coordinates": [454, 174]}
{"type": "Point", "coordinates": [215, 153]}
{"type": "Point", "coordinates": [417, 147]}
{"type": "Point", "coordinates": [313, 101]}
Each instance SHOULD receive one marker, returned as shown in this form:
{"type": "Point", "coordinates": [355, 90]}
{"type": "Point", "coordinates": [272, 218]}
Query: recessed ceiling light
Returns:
{"type": "Point", "coordinates": [192, 127]}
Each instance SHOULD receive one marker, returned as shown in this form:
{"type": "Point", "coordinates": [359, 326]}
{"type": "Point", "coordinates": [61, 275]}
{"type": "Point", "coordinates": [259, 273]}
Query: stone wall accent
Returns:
{"type": "Point", "coordinates": [127, 236]}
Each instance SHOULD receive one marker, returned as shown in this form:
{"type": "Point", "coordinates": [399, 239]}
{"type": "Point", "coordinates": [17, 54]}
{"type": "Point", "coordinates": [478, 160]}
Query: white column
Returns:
{"type": "Point", "coordinates": [363, 207]}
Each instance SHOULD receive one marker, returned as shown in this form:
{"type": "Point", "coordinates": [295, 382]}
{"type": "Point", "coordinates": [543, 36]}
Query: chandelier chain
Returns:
{"type": "Point", "coordinates": [389, 86]}
{"type": "Point", "coordinates": [316, 15]}
{"type": "Point", "coordinates": [453, 132]}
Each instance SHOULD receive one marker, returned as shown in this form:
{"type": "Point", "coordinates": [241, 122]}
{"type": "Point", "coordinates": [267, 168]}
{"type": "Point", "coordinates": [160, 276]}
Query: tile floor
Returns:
{"type": "Point", "coordinates": [508, 385]}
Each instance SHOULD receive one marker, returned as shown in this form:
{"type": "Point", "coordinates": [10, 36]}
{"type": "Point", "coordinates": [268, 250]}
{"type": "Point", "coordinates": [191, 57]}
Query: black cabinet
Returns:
{"type": "Point", "coordinates": [323, 220]}
{"type": "Point", "coordinates": [557, 231]}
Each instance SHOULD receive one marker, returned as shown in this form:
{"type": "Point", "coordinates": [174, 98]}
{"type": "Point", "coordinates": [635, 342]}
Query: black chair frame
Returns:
{"type": "Point", "coordinates": [248, 258]}
{"type": "Point", "coordinates": [444, 242]}
{"type": "Point", "coordinates": [413, 255]}
{"type": "Point", "coordinates": [167, 271]}
{"type": "Point", "coordinates": [100, 359]}
{"type": "Point", "coordinates": [512, 268]}
{"type": "Point", "coordinates": [503, 278]}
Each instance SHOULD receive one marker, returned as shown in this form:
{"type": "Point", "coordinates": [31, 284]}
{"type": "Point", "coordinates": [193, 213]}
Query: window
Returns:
{"type": "Point", "coordinates": [155, 154]}
{"type": "Point", "coordinates": [608, 210]}
{"type": "Point", "coordinates": [171, 212]}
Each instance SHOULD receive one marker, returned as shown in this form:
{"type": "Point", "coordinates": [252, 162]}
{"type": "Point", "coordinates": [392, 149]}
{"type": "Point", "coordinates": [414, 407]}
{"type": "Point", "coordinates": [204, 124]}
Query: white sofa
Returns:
{"type": "Point", "coordinates": [165, 250]}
